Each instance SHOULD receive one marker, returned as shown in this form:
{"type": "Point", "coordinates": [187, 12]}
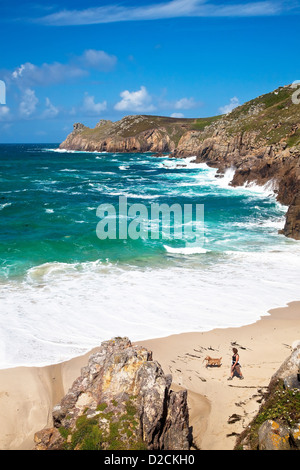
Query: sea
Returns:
{"type": "Point", "coordinates": [64, 289]}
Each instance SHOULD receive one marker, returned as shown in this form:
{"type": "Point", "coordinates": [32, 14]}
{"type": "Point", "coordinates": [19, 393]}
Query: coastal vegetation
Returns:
{"type": "Point", "coordinates": [277, 423]}
{"type": "Point", "coordinates": [108, 429]}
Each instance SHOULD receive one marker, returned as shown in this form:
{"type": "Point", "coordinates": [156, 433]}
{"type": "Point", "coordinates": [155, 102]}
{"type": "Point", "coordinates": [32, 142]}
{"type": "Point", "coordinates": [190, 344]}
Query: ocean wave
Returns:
{"type": "Point", "coordinates": [277, 223]}
{"type": "Point", "coordinates": [6, 204]}
{"type": "Point", "coordinates": [186, 250]}
{"type": "Point", "coordinates": [62, 310]}
{"type": "Point", "coordinates": [130, 195]}
{"type": "Point", "coordinates": [181, 163]}
{"type": "Point", "coordinates": [58, 150]}
{"type": "Point", "coordinates": [267, 190]}
{"type": "Point", "coordinates": [69, 170]}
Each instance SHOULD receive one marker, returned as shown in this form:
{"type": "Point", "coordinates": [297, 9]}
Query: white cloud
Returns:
{"type": "Point", "coordinates": [28, 103]}
{"type": "Point", "coordinates": [185, 103]}
{"type": "Point", "coordinates": [177, 115]}
{"type": "Point", "coordinates": [47, 74]}
{"type": "Point", "coordinates": [139, 101]}
{"type": "Point", "coordinates": [234, 103]}
{"type": "Point", "coordinates": [20, 70]}
{"type": "Point", "coordinates": [169, 9]}
{"type": "Point", "coordinates": [28, 74]}
{"type": "Point", "coordinates": [99, 60]}
{"type": "Point", "coordinates": [28, 107]}
{"type": "Point", "coordinates": [4, 113]}
{"type": "Point", "coordinates": [51, 111]}
{"type": "Point", "coordinates": [90, 107]}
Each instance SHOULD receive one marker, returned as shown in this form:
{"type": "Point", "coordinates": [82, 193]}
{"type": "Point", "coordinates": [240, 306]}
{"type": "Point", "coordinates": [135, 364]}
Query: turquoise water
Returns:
{"type": "Point", "coordinates": [63, 290]}
{"type": "Point", "coordinates": [49, 200]}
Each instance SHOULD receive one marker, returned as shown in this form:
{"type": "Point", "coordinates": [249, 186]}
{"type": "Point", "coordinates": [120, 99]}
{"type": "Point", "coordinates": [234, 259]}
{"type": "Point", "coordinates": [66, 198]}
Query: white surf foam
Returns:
{"type": "Point", "coordinates": [185, 250]}
{"type": "Point", "coordinates": [6, 204]}
{"type": "Point", "coordinates": [59, 150]}
{"type": "Point", "coordinates": [62, 310]}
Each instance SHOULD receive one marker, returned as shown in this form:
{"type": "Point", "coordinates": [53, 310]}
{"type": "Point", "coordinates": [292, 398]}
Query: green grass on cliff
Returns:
{"type": "Point", "coordinates": [110, 429]}
{"type": "Point", "coordinates": [281, 405]}
{"type": "Point", "coordinates": [273, 117]}
{"type": "Point", "coordinates": [133, 126]}
{"type": "Point", "coordinates": [201, 123]}
{"type": "Point", "coordinates": [140, 124]}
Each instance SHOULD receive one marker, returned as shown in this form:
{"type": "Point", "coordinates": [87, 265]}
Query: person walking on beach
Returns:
{"type": "Point", "coordinates": [235, 365]}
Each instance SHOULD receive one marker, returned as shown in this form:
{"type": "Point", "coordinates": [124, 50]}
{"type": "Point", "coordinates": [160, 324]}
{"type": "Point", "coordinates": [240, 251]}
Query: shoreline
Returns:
{"type": "Point", "coordinates": [263, 346]}
{"type": "Point", "coordinates": [28, 394]}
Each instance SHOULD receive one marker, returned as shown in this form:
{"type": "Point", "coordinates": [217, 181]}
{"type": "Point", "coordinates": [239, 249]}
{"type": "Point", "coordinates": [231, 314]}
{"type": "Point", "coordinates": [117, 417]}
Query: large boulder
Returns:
{"type": "Point", "coordinates": [273, 436]}
{"type": "Point", "coordinates": [122, 400]}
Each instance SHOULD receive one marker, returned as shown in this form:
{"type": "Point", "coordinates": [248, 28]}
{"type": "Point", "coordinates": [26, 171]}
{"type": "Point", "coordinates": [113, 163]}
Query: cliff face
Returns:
{"type": "Point", "coordinates": [131, 134]}
{"type": "Point", "coordinates": [121, 401]}
{"type": "Point", "coordinates": [277, 165]}
{"type": "Point", "coordinates": [260, 139]}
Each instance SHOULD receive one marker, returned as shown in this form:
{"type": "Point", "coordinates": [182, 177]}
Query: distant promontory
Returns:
{"type": "Point", "coordinates": [260, 140]}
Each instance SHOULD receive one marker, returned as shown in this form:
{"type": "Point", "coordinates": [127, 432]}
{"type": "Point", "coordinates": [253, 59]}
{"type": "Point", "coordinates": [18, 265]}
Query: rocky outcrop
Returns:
{"type": "Point", "coordinates": [273, 436]}
{"type": "Point", "coordinates": [292, 226]}
{"type": "Point", "coordinates": [277, 424]}
{"type": "Point", "coordinates": [261, 140]}
{"type": "Point", "coordinates": [276, 165]}
{"type": "Point", "coordinates": [78, 127]}
{"type": "Point", "coordinates": [156, 141]}
{"type": "Point", "coordinates": [130, 134]}
{"type": "Point", "coordinates": [122, 400]}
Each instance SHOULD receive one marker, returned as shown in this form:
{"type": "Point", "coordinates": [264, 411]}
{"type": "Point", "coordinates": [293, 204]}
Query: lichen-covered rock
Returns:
{"type": "Point", "coordinates": [273, 436]}
{"type": "Point", "coordinates": [48, 439]}
{"type": "Point", "coordinates": [295, 436]}
{"type": "Point", "coordinates": [122, 400]}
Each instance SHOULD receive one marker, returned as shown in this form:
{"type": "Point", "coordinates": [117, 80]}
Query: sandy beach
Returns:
{"type": "Point", "coordinates": [219, 409]}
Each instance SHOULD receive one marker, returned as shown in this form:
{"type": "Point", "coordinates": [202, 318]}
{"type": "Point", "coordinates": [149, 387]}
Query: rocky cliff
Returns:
{"type": "Point", "coordinates": [121, 401]}
{"type": "Point", "coordinates": [260, 140]}
{"type": "Point", "coordinates": [131, 134]}
{"type": "Point", "coordinates": [277, 424]}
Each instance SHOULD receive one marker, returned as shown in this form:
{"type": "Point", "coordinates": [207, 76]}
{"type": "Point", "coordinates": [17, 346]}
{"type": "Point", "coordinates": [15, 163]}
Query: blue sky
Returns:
{"type": "Point", "coordinates": [81, 61]}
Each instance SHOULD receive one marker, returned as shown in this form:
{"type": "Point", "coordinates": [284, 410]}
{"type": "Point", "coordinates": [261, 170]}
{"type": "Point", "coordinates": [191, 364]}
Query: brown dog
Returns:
{"type": "Point", "coordinates": [211, 362]}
